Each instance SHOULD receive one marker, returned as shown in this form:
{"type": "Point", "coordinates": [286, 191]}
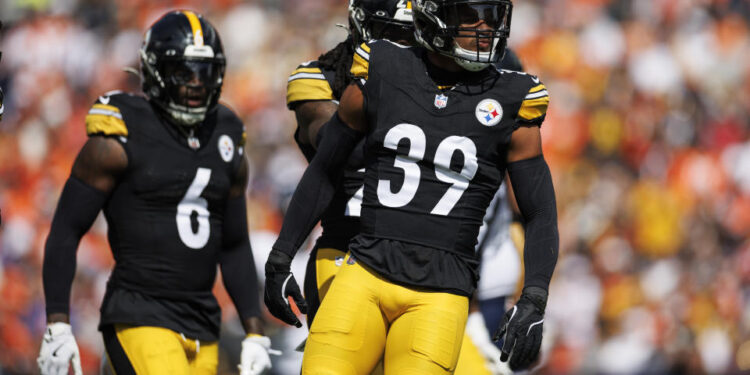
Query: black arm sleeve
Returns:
{"type": "Point", "coordinates": [532, 184]}
{"type": "Point", "coordinates": [317, 186]}
{"type": "Point", "coordinates": [76, 211]}
{"type": "Point", "coordinates": [236, 260]}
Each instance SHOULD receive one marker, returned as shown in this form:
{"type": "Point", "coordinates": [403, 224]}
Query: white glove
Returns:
{"type": "Point", "coordinates": [255, 359]}
{"type": "Point", "coordinates": [477, 331]}
{"type": "Point", "coordinates": [58, 350]}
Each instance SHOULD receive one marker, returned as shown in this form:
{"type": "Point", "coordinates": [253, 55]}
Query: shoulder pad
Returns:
{"type": "Point", "coordinates": [307, 82]}
{"type": "Point", "coordinates": [361, 63]}
{"type": "Point", "coordinates": [105, 118]}
{"type": "Point", "coordinates": [534, 105]}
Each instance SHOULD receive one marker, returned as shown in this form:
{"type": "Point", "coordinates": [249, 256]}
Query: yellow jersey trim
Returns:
{"type": "Point", "coordinates": [532, 109]}
{"type": "Point", "coordinates": [105, 119]}
{"type": "Point", "coordinates": [538, 88]}
{"type": "Point", "coordinates": [302, 89]}
{"type": "Point", "coordinates": [307, 70]}
{"type": "Point", "coordinates": [361, 64]}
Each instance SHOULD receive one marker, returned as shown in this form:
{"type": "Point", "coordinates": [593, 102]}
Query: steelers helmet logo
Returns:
{"type": "Point", "coordinates": [226, 148]}
{"type": "Point", "coordinates": [489, 112]}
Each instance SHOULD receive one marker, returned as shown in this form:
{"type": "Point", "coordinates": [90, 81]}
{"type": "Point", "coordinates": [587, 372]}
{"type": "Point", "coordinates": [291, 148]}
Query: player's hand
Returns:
{"type": "Point", "coordinates": [58, 351]}
{"type": "Point", "coordinates": [522, 329]}
{"type": "Point", "coordinates": [255, 358]}
{"type": "Point", "coordinates": [280, 284]}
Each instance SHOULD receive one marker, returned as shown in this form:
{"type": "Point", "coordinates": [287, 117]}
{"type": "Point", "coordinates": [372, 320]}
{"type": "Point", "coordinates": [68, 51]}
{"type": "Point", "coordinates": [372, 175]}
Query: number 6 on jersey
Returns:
{"type": "Point", "coordinates": [193, 202]}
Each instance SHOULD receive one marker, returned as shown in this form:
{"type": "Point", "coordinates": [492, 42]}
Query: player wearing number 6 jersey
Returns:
{"type": "Point", "coordinates": [169, 173]}
{"type": "Point", "coordinates": [441, 127]}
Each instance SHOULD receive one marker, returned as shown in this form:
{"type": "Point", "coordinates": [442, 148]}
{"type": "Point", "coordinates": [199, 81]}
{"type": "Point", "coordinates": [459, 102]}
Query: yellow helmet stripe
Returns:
{"type": "Point", "coordinates": [195, 24]}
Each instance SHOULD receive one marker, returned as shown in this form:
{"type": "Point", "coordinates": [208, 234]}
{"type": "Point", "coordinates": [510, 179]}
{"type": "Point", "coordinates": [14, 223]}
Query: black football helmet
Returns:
{"type": "Point", "coordinates": [381, 19]}
{"type": "Point", "coordinates": [438, 23]}
{"type": "Point", "coordinates": [182, 66]}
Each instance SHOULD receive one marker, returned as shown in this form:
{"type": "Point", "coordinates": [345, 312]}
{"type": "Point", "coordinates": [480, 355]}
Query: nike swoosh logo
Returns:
{"type": "Point", "coordinates": [54, 352]}
{"type": "Point", "coordinates": [104, 99]}
{"type": "Point", "coordinates": [283, 289]}
{"type": "Point", "coordinates": [535, 79]}
{"type": "Point", "coordinates": [532, 326]}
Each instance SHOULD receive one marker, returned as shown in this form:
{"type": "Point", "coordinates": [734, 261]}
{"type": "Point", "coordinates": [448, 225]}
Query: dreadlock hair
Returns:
{"type": "Point", "coordinates": [339, 59]}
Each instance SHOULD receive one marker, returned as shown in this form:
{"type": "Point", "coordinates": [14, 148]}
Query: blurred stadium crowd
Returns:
{"type": "Point", "coordinates": [648, 139]}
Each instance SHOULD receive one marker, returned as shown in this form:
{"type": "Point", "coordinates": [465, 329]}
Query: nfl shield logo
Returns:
{"type": "Point", "coordinates": [441, 101]}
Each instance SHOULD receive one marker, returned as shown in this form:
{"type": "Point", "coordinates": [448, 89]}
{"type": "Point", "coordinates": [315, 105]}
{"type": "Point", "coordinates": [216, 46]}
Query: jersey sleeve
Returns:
{"type": "Point", "coordinates": [307, 82]}
{"type": "Point", "coordinates": [533, 108]}
{"type": "Point", "coordinates": [105, 118]}
{"type": "Point", "coordinates": [361, 64]}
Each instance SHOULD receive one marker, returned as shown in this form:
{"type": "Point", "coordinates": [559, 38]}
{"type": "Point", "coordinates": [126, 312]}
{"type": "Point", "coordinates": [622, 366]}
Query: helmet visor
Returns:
{"type": "Point", "coordinates": [490, 15]}
{"type": "Point", "coordinates": [479, 28]}
{"type": "Point", "coordinates": [194, 72]}
{"type": "Point", "coordinates": [395, 31]}
{"type": "Point", "coordinates": [190, 83]}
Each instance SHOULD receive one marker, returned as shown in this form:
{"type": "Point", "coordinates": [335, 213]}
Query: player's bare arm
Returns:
{"type": "Point", "coordinates": [351, 108]}
{"type": "Point", "coordinates": [100, 162]}
{"type": "Point", "coordinates": [525, 143]}
{"type": "Point", "coordinates": [311, 116]}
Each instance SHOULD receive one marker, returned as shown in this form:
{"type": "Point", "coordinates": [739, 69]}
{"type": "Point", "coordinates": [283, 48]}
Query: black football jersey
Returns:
{"type": "Point", "coordinates": [340, 222]}
{"type": "Point", "coordinates": [434, 158]}
{"type": "Point", "coordinates": [165, 215]}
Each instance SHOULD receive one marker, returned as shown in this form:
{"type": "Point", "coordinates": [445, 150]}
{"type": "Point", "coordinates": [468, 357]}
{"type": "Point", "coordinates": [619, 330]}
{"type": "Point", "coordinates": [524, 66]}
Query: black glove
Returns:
{"type": "Point", "coordinates": [280, 284]}
{"type": "Point", "coordinates": [522, 328]}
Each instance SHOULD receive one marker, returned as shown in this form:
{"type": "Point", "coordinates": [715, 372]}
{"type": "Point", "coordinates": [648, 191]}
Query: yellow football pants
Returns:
{"type": "Point", "coordinates": [471, 361]}
{"type": "Point", "coordinates": [364, 318]}
{"type": "Point", "coordinates": [156, 351]}
{"type": "Point", "coordinates": [328, 262]}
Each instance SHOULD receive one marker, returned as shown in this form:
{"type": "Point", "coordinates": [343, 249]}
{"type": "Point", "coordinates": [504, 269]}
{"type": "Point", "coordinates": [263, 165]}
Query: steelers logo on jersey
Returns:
{"type": "Point", "coordinates": [489, 112]}
{"type": "Point", "coordinates": [226, 148]}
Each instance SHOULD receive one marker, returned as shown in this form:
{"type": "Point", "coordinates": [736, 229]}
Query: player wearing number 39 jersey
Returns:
{"type": "Point", "coordinates": [441, 127]}
{"type": "Point", "coordinates": [169, 173]}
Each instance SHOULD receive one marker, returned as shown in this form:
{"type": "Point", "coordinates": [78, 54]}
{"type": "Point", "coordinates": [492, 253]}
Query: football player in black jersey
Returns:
{"type": "Point", "coordinates": [441, 127]}
{"type": "Point", "coordinates": [169, 172]}
{"type": "Point", "coordinates": [313, 92]}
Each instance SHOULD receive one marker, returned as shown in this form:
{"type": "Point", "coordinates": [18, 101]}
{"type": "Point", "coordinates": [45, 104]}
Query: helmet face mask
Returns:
{"type": "Point", "coordinates": [473, 32]}
{"type": "Point", "coordinates": [182, 67]}
{"type": "Point", "coordinates": [379, 19]}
